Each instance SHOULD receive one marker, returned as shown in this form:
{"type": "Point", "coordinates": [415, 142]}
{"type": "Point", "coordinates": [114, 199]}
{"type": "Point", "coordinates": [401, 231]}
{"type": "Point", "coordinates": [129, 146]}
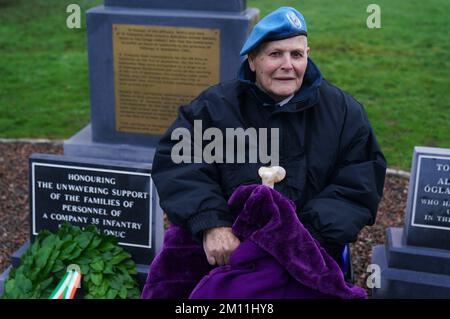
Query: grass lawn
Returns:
{"type": "Point", "coordinates": [399, 72]}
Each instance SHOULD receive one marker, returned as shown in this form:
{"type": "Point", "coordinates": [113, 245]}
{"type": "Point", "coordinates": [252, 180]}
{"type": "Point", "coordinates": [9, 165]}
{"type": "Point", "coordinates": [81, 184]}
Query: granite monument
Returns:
{"type": "Point", "coordinates": [415, 261]}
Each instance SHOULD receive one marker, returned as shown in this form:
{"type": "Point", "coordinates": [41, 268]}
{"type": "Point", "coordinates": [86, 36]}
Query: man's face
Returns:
{"type": "Point", "coordinates": [280, 66]}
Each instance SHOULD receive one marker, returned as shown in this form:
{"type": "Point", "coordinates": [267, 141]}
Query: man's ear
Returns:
{"type": "Point", "coordinates": [308, 51]}
{"type": "Point", "coordinates": [251, 62]}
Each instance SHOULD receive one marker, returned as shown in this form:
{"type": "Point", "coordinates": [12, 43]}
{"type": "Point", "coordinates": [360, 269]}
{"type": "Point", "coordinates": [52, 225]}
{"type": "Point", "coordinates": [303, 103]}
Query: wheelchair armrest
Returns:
{"type": "Point", "coordinates": [346, 265]}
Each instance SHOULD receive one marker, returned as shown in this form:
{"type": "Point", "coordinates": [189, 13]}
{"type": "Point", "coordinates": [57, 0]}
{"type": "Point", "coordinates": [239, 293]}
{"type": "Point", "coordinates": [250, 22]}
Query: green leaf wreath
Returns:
{"type": "Point", "coordinates": [107, 269]}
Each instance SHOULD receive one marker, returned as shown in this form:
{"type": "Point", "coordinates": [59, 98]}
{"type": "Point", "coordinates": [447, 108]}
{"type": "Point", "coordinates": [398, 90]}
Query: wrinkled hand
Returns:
{"type": "Point", "coordinates": [218, 244]}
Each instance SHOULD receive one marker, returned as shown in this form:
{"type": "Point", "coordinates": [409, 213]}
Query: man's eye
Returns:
{"type": "Point", "coordinates": [297, 54]}
{"type": "Point", "coordinates": [274, 54]}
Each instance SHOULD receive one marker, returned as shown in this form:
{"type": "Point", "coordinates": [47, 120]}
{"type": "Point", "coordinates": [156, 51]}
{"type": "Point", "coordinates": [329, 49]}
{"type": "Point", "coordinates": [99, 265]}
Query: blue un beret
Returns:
{"type": "Point", "coordinates": [283, 23]}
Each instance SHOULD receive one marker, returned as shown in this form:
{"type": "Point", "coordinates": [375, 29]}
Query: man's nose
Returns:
{"type": "Point", "coordinates": [286, 64]}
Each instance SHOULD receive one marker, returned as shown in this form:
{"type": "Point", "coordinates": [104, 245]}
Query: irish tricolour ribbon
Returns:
{"type": "Point", "coordinates": [67, 286]}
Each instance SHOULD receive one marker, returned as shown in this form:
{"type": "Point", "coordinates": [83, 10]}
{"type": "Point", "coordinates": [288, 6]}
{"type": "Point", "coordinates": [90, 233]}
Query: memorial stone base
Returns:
{"type": "Point", "coordinates": [411, 271]}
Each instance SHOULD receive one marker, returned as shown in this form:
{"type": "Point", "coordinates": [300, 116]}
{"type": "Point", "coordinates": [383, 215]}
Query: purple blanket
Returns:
{"type": "Point", "coordinates": [277, 258]}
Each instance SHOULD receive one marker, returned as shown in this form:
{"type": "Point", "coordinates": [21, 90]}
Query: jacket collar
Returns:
{"type": "Point", "coordinates": [305, 96]}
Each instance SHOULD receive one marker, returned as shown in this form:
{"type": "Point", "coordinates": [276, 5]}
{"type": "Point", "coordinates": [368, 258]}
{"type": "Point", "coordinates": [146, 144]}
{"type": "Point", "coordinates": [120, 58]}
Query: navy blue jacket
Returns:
{"type": "Point", "coordinates": [335, 169]}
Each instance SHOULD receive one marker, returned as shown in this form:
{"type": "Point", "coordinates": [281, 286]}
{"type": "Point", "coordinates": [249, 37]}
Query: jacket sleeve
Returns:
{"type": "Point", "coordinates": [350, 200]}
{"type": "Point", "coordinates": [190, 193]}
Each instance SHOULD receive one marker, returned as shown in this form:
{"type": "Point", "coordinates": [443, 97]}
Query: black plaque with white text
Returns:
{"type": "Point", "coordinates": [431, 204]}
{"type": "Point", "coordinates": [116, 197]}
{"type": "Point", "coordinates": [428, 206]}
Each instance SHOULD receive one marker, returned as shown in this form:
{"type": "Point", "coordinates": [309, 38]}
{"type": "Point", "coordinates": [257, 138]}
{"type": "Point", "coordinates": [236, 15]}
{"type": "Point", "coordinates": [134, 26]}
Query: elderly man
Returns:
{"type": "Point", "coordinates": [334, 167]}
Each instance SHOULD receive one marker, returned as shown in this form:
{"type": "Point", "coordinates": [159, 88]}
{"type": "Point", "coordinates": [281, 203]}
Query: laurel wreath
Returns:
{"type": "Point", "coordinates": [107, 269]}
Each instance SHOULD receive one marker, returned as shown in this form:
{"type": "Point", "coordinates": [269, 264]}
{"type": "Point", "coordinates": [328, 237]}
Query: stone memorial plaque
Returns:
{"type": "Point", "coordinates": [159, 68]}
{"type": "Point", "coordinates": [431, 202]}
{"type": "Point", "coordinates": [117, 199]}
{"type": "Point", "coordinates": [428, 210]}
{"type": "Point", "coordinates": [146, 58]}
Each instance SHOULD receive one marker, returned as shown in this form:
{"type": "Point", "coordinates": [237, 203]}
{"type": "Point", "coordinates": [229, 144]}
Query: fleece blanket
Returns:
{"type": "Point", "coordinates": [277, 258]}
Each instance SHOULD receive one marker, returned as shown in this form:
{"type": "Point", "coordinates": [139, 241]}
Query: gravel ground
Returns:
{"type": "Point", "coordinates": [14, 207]}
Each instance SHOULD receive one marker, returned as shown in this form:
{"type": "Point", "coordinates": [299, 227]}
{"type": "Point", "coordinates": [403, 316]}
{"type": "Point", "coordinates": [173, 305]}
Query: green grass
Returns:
{"type": "Point", "coordinates": [43, 70]}
{"type": "Point", "coordinates": [399, 72]}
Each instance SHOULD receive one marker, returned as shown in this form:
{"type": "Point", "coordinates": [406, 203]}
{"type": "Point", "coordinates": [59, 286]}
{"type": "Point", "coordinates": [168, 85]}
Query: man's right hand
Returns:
{"type": "Point", "coordinates": [218, 244]}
